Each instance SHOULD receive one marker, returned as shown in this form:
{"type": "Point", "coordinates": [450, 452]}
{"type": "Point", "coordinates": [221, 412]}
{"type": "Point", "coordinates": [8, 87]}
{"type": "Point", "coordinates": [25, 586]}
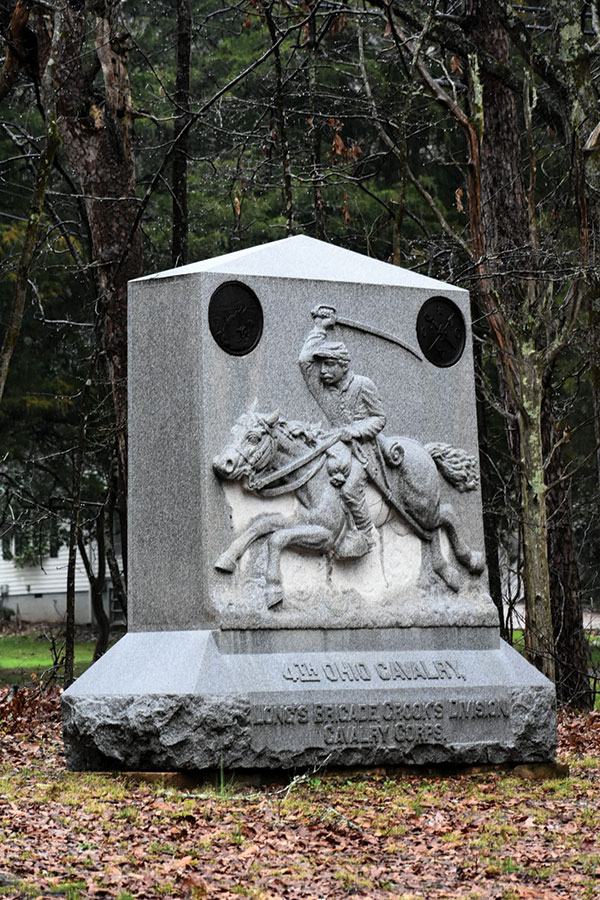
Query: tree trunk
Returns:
{"type": "Point", "coordinates": [288, 197]}
{"type": "Point", "coordinates": [490, 521]}
{"type": "Point", "coordinates": [78, 461]}
{"type": "Point", "coordinates": [570, 646]}
{"type": "Point", "coordinates": [595, 379]}
{"type": "Point", "coordinates": [19, 44]}
{"type": "Point", "coordinates": [118, 579]}
{"type": "Point", "coordinates": [69, 675]}
{"type": "Point", "coordinates": [179, 249]}
{"type": "Point", "coordinates": [96, 136]}
{"type": "Point", "coordinates": [509, 227]}
{"type": "Point", "coordinates": [536, 576]}
{"type": "Point", "coordinates": [314, 133]}
{"type": "Point", "coordinates": [97, 583]}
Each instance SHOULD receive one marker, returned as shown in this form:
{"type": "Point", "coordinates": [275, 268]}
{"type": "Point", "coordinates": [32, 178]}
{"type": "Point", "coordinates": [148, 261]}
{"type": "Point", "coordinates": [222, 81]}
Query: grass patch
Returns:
{"type": "Point", "coordinates": [18, 888]}
{"type": "Point", "coordinates": [22, 656]}
{"type": "Point", "coordinates": [29, 651]}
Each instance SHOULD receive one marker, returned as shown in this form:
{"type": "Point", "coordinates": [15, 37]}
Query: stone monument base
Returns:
{"type": "Point", "coordinates": [288, 699]}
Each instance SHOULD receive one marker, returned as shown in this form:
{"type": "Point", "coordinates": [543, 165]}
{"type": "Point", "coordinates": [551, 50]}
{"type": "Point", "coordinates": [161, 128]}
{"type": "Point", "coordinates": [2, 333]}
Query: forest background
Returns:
{"type": "Point", "coordinates": [458, 138]}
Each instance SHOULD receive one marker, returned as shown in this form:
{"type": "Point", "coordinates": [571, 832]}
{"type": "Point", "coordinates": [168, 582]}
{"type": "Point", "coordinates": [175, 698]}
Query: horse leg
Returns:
{"type": "Point", "coordinates": [302, 536]}
{"type": "Point", "coordinates": [263, 524]}
{"type": "Point", "coordinates": [472, 560]}
{"type": "Point", "coordinates": [440, 564]}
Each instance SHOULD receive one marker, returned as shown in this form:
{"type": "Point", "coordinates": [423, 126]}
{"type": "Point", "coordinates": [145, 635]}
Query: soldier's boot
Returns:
{"type": "Point", "coordinates": [352, 544]}
{"type": "Point", "coordinates": [356, 505]}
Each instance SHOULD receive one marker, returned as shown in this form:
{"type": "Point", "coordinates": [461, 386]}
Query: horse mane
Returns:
{"type": "Point", "coordinates": [309, 433]}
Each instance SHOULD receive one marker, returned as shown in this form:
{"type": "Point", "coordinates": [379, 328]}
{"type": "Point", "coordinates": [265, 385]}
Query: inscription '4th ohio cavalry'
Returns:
{"type": "Point", "coordinates": [388, 670]}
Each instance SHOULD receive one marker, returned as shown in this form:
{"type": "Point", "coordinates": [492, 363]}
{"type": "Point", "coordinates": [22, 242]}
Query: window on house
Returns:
{"type": "Point", "coordinates": [29, 543]}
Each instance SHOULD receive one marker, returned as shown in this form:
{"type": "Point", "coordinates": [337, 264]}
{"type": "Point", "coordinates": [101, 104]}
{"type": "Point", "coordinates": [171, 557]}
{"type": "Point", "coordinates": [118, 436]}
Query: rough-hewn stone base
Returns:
{"type": "Point", "coordinates": [201, 699]}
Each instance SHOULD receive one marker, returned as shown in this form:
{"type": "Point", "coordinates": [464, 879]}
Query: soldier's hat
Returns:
{"type": "Point", "coordinates": [332, 350]}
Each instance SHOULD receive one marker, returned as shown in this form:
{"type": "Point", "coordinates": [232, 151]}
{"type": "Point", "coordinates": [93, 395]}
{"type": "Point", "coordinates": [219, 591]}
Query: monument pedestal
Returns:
{"type": "Point", "coordinates": [287, 699]}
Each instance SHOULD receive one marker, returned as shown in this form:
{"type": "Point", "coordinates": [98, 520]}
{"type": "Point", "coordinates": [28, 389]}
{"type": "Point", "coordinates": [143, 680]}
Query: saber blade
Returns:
{"type": "Point", "coordinates": [370, 329]}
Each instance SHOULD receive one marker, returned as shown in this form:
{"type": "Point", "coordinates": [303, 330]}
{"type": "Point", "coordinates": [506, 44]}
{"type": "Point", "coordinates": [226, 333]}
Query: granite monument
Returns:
{"type": "Point", "coordinates": [306, 567]}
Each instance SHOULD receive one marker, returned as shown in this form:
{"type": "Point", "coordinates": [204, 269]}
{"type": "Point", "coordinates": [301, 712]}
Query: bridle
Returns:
{"type": "Point", "coordinates": [261, 455]}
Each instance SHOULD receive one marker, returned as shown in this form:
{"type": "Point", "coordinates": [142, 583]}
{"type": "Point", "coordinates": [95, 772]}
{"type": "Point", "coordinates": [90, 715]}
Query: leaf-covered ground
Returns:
{"type": "Point", "coordinates": [369, 834]}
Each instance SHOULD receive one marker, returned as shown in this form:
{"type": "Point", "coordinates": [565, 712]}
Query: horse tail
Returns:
{"type": "Point", "coordinates": [457, 466]}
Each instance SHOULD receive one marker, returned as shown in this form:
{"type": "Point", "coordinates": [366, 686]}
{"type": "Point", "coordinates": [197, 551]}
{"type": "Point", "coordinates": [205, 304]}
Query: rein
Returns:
{"type": "Point", "coordinates": [292, 485]}
{"type": "Point", "coordinates": [258, 484]}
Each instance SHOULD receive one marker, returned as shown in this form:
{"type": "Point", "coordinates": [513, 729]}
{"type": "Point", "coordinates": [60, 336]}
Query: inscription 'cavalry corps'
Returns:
{"type": "Point", "coordinates": [382, 735]}
{"type": "Point", "coordinates": [363, 724]}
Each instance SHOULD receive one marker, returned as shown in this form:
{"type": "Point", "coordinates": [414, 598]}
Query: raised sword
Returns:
{"type": "Point", "coordinates": [378, 332]}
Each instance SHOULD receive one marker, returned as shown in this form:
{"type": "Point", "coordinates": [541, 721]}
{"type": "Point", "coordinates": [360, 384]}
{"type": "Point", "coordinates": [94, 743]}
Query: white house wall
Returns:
{"type": "Point", "coordinates": [38, 593]}
{"type": "Point", "coordinates": [49, 607]}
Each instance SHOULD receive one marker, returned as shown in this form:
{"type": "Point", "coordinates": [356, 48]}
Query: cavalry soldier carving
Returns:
{"type": "Point", "coordinates": [328, 470]}
{"type": "Point", "coordinates": [352, 405]}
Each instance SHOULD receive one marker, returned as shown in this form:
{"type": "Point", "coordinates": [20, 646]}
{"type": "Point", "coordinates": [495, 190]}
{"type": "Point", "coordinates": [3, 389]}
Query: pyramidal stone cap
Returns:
{"type": "Point", "coordinates": [309, 259]}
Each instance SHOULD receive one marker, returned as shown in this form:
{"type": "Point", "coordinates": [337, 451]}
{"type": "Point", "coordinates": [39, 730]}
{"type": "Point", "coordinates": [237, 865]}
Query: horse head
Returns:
{"type": "Point", "coordinates": [252, 448]}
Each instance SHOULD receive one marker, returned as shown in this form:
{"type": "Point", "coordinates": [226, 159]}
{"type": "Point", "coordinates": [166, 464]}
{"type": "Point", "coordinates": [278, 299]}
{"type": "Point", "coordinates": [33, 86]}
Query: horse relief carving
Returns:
{"type": "Point", "coordinates": [328, 470]}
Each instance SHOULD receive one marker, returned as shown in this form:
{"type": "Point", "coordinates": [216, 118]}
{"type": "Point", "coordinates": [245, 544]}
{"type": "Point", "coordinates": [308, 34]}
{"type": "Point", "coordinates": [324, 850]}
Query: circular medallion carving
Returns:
{"type": "Point", "coordinates": [441, 331]}
{"type": "Point", "coordinates": [235, 318]}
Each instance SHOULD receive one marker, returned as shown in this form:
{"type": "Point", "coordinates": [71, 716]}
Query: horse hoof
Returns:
{"type": "Point", "coordinates": [476, 562]}
{"type": "Point", "coordinates": [273, 596]}
{"type": "Point", "coordinates": [225, 564]}
{"type": "Point", "coordinates": [450, 576]}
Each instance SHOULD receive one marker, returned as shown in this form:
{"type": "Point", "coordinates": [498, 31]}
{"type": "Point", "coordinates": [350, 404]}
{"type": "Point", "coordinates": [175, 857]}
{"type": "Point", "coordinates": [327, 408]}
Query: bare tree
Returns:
{"type": "Point", "coordinates": [179, 250]}
{"type": "Point", "coordinates": [96, 132]}
{"type": "Point", "coordinates": [532, 297]}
